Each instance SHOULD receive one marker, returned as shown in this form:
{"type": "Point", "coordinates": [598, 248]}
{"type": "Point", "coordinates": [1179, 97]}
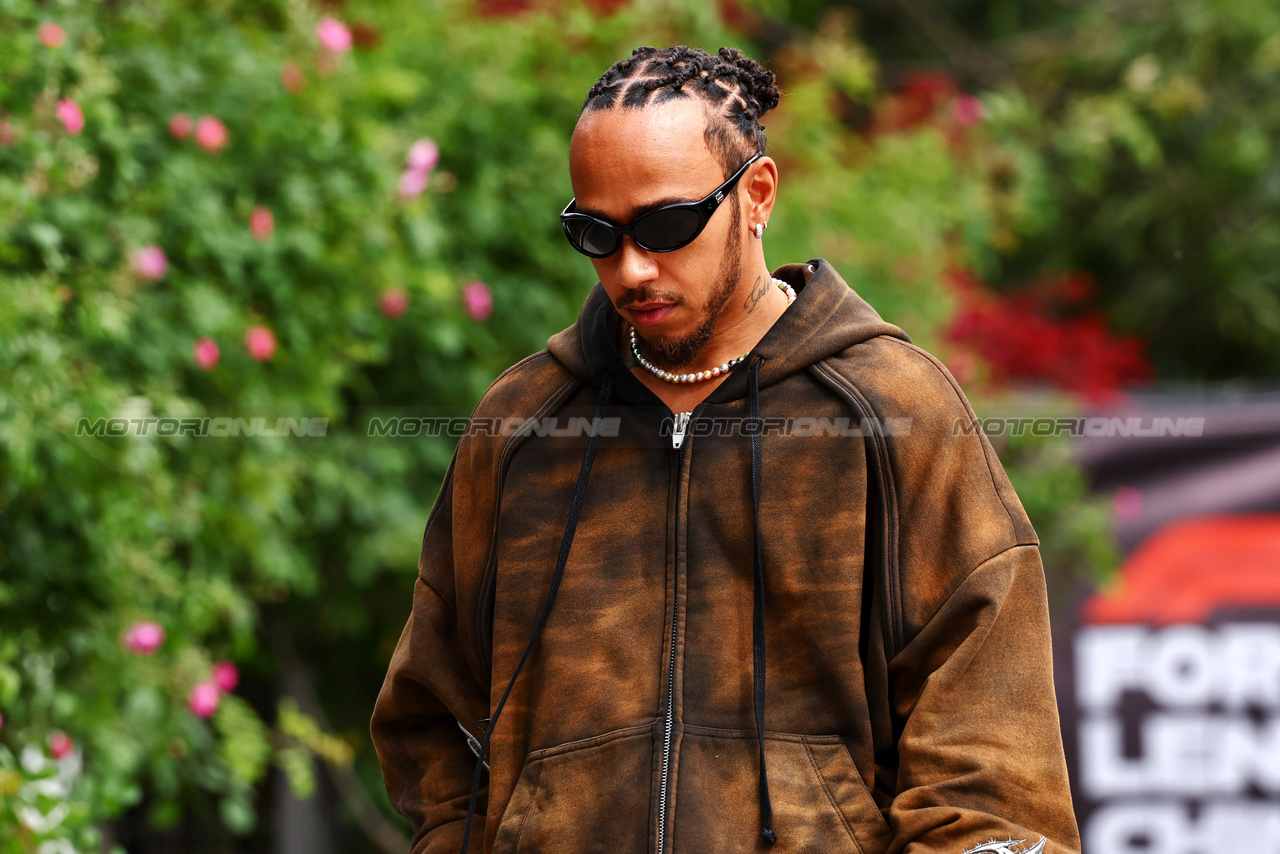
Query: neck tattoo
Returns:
{"type": "Point", "coordinates": [699, 376]}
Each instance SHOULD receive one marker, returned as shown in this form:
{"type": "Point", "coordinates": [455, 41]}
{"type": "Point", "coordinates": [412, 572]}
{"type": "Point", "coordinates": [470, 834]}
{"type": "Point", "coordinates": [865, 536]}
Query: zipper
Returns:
{"type": "Point", "coordinates": [679, 428]}
{"type": "Point", "coordinates": [682, 422]}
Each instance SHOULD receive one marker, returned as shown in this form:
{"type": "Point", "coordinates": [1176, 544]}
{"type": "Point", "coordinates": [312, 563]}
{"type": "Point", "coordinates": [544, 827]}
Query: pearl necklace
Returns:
{"type": "Point", "coordinates": [698, 376]}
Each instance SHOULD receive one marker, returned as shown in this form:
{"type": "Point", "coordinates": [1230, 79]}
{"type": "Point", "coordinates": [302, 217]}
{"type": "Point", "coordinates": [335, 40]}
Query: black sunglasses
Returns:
{"type": "Point", "coordinates": [665, 229]}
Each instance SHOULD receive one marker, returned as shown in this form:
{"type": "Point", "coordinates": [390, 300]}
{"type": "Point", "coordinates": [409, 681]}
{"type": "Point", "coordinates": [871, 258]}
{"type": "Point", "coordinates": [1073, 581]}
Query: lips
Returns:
{"type": "Point", "coordinates": [650, 314]}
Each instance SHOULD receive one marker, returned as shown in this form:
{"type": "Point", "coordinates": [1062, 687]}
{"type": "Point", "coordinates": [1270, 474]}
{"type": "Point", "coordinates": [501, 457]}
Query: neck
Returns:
{"type": "Point", "coordinates": [753, 308]}
{"type": "Point", "coordinates": [755, 305]}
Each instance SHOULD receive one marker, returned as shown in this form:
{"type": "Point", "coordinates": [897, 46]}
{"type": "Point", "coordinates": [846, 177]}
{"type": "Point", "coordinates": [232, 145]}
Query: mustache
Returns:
{"type": "Point", "coordinates": [644, 294]}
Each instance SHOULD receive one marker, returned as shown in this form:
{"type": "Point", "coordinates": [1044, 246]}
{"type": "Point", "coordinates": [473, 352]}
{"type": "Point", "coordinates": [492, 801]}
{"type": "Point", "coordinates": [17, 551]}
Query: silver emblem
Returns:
{"type": "Point", "coordinates": [993, 846]}
{"type": "Point", "coordinates": [719, 197]}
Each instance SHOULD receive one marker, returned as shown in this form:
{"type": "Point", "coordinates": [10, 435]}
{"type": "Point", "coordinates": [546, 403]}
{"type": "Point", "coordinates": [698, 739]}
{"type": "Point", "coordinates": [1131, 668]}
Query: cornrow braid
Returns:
{"type": "Point", "coordinates": [737, 91]}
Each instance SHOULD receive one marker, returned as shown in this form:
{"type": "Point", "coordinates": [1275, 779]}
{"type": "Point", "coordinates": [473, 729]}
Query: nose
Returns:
{"type": "Point", "coordinates": [636, 266]}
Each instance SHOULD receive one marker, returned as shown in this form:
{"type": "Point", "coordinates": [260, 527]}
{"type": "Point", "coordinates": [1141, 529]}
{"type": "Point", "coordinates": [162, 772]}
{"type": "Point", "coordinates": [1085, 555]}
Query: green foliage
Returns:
{"type": "Point", "coordinates": [241, 545]}
{"type": "Point", "coordinates": [1074, 524]}
{"type": "Point", "coordinates": [1156, 126]}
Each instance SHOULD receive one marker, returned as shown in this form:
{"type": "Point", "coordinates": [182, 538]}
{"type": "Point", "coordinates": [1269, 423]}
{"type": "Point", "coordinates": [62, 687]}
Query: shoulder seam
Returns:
{"type": "Point", "coordinates": [526, 360]}
{"type": "Point", "coordinates": [936, 364]}
{"type": "Point", "coordinates": [443, 601]}
{"type": "Point", "coordinates": [977, 566]}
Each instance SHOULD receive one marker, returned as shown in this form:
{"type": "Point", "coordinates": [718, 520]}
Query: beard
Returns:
{"type": "Point", "coordinates": [672, 354]}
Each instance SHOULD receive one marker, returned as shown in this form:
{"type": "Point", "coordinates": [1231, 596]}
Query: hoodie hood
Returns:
{"type": "Point", "coordinates": [827, 317]}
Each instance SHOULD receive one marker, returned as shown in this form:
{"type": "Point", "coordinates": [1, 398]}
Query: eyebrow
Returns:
{"type": "Point", "coordinates": [637, 212]}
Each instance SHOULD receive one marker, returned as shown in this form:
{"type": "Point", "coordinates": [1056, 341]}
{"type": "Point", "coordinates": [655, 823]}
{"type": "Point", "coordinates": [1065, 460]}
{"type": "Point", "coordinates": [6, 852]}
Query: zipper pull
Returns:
{"type": "Point", "coordinates": [679, 428]}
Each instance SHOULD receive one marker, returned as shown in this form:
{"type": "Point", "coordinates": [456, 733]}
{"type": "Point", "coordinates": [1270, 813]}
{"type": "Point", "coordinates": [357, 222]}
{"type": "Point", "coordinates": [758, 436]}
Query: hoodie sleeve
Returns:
{"type": "Point", "coordinates": [970, 682]}
{"type": "Point", "coordinates": [980, 751]}
{"type": "Point", "coordinates": [426, 764]}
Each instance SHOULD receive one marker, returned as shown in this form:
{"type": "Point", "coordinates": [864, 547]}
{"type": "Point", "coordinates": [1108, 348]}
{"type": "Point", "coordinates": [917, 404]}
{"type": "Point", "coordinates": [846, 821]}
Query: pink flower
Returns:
{"type": "Point", "coordinates": [477, 299]}
{"type": "Point", "coordinates": [967, 110]}
{"type": "Point", "coordinates": [412, 183]}
{"type": "Point", "coordinates": [204, 697]}
{"type": "Point", "coordinates": [260, 342]}
{"type": "Point", "coordinates": [1, 721]}
{"type": "Point", "coordinates": [211, 134]}
{"type": "Point", "coordinates": [150, 263]}
{"type": "Point", "coordinates": [207, 353]}
{"type": "Point", "coordinates": [261, 223]}
{"type": "Point", "coordinates": [1127, 502]}
{"type": "Point", "coordinates": [180, 126]}
{"type": "Point", "coordinates": [7, 136]}
{"type": "Point", "coordinates": [394, 302]}
{"type": "Point", "coordinates": [51, 35]}
{"type": "Point", "coordinates": [333, 35]}
{"type": "Point", "coordinates": [60, 745]}
{"type": "Point", "coordinates": [143, 638]}
{"type": "Point", "coordinates": [68, 112]}
{"type": "Point", "coordinates": [225, 675]}
{"type": "Point", "coordinates": [422, 158]}
{"type": "Point", "coordinates": [423, 155]}
{"type": "Point", "coordinates": [291, 77]}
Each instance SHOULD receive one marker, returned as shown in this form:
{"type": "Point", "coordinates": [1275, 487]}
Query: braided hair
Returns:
{"type": "Point", "coordinates": [737, 91]}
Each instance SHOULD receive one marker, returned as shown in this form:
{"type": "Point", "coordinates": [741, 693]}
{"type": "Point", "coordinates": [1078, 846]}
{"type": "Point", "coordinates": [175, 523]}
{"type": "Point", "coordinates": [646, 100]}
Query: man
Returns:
{"type": "Point", "coordinates": [721, 619]}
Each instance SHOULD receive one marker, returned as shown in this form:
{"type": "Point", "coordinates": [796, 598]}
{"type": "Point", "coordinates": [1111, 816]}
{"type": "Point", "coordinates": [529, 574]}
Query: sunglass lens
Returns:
{"type": "Point", "coordinates": [667, 229]}
{"type": "Point", "coordinates": [591, 238]}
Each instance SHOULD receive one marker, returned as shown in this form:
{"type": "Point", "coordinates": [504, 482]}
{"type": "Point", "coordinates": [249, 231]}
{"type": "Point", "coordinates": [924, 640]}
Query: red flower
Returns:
{"type": "Point", "coordinates": [394, 302]}
{"type": "Point", "coordinates": [261, 222]}
{"type": "Point", "coordinates": [149, 262]}
{"type": "Point", "coordinates": [478, 300]}
{"type": "Point", "coordinates": [143, 638]}
{"type": "Point", "coordinates": [181, 125]}
{"type": "Point", "coordinates": [226, 675]}
{"type": "Point", "coordinates": [204, 697]}
{"type": "Point", "coordinates": [207, 353]}
{"type": "Point", "coordinates": [211, 134]}
{"type": "Point", "coordinates": [1038, 334]}
{"type": "Point", "coordinates": [967, 110]}
{"type": "Point", "coordinates": [51, 35]}
{"type": "Point", "coordinates": [333, 35]}
{"type": "Point", "coordinates": [60, 745]}
{"type": "Point", "coordinates": [260, 341]}
{"type": "Point", "coordinates": [71, 116]}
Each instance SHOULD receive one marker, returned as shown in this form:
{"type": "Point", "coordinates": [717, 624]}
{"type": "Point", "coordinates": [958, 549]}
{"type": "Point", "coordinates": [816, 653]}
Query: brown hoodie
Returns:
{"type": "Point", "coordinates": [690, 681]}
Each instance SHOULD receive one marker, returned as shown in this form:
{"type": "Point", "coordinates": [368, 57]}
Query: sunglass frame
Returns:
{"type": "Point", "coordinates": [703, 208]}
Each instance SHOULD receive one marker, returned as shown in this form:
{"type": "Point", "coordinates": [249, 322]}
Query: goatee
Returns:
{"type": "Point", "coordinates": [672, 354]}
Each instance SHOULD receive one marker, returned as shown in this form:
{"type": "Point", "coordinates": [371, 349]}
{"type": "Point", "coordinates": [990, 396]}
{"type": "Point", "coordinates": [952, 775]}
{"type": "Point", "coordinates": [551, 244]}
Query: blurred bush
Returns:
{"type": "Point", "coordinates": [240, 211]}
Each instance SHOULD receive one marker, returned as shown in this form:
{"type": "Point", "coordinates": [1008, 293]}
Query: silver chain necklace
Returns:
{"type": "Point", "coordinates": [698, 376]}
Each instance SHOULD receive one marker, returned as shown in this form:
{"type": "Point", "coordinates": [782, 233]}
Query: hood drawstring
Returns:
{"type": "Point", "coordinates": [575, 510]}
{"type": "Point", "coordinates": [757, 627]}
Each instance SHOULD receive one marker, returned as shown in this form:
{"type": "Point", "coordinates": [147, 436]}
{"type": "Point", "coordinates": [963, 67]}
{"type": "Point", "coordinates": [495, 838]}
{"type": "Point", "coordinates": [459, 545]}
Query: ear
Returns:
{"type": "Point", "coordinates": [761, 182]}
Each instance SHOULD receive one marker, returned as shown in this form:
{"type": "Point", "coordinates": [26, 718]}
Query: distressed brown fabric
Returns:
{"type": "Point", "coordinates": [916, 715]}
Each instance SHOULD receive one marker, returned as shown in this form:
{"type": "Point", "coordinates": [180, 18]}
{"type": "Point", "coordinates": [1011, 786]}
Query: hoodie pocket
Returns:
{"type": "Point", "coordinates": [590, 795]}
{"type": "Point", "coordinates": [820, 804]}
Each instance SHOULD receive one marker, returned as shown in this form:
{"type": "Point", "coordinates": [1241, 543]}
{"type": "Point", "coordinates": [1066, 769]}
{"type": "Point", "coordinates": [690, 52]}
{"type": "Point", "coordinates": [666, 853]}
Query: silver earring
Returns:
{"type": "Point", "coordinates": [760, 226]}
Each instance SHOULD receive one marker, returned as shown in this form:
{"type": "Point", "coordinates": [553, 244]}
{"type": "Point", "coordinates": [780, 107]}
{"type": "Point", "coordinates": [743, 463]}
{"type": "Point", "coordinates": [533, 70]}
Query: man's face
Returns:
{"type": "Point", "coordinates": [624, 162]}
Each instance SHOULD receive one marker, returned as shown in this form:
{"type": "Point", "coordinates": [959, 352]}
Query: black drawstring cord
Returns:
{"type": "Point", "coordinates": [757, 627]}
{"type": "Point", "coordinates": [575, 510]}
